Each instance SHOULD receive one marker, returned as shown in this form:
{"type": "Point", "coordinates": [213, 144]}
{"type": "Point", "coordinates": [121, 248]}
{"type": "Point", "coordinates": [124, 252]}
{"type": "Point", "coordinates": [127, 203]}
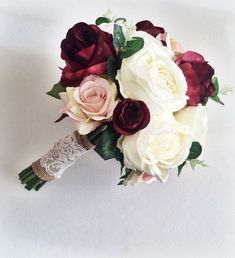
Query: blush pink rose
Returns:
{"type": "Point", "coordinates": [172, 44]}
{"type": "Point", "coordinates": [136, 177]}
{"type": "Point", "coordinates": [91, 103]}
{"type": "Point", "coordinates": [148, 178]}
{"type": "Point", "coordinates": [177, 48]}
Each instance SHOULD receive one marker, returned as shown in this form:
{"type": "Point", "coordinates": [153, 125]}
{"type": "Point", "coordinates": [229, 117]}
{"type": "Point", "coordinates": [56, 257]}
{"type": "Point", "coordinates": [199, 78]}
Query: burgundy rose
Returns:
{"type": "Point", "coordinates": [148, 27]}
{"type": "Point", "coordinates": [85, 50]}
{"type": "Point", "coordinates": [198, 74]}
{"type": "Point", "coordinates": [130, 116]}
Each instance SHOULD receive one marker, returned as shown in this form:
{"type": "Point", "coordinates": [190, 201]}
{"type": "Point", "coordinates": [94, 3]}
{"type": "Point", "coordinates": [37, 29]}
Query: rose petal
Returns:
{"type": "Point", "coordinates": [148, 27]}
{"type": "Point", "coordinates": [85, 127]}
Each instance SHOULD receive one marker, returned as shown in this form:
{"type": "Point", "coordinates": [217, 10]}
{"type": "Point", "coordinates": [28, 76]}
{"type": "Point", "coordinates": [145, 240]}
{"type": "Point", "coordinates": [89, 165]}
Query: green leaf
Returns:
{"type": "Point", "coordinates": [57, 88]}
{"type": "Point", "coordinates": [106, 144]}
{"type": "Point", "coordinates": [124, 177]}
{"type": "Point", "coordinates": [194, 162]}
{"type": "Point", "coordinates": [195, 150]}
{"type": "Point", "coordinates": [112, 67]}
{"type": "Point", "coordinates": [205, 101]}
{"type": "Point", "coordinates": [216, 85]}
{"type": "Point", "coordinates": [121, 160]}
{"type": "Point", "coordinates": [121, 182]}
{"type": "Point", "coordinates": [180, 167]}
{"type": "Point", "coordinates": [127, 173]}
{"type": "Point", "coordinates": [61, 118]}
{"type": "Point", "coordinates": [120, 19]}
{"type": "Point", "coordinates": [217, 99]}
{"type": "Point", "coordinates": [93, 136]}
{"type": "Point", "coordinates": [101, 20]}
{"type": "Point", "coordinates": [118, 36]}
{"type": "Point", "coordinates": [132, 46]}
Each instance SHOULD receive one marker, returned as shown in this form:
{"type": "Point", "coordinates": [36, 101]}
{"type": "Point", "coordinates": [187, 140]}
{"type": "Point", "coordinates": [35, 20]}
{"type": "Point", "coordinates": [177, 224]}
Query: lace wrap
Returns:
{"type": "Point", "coordinates": [63, 154]}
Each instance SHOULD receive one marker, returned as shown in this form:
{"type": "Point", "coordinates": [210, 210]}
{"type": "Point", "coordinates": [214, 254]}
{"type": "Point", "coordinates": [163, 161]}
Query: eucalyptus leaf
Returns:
{"type": "Point", "coordinates": [118, 36]}
{"type": "Point", "coordinates": [101, 20]}
{"type": "Point", "coordinates": [57, 88]}
{"type": "Point", "coordinates": [132, 47]}
{"type": "Point", "coordinates": [120, 19]}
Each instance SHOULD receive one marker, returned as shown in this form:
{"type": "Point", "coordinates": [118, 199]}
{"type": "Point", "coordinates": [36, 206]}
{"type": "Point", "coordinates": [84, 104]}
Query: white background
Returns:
{"type": "Point", "coordinates": [85, 214]}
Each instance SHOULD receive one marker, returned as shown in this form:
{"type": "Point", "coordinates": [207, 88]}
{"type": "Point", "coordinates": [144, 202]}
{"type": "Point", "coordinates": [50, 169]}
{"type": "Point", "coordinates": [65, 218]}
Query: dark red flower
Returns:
{"type": "Point", "coordinates": [130, 116]}
{"type": "Point", "coordinates": [85, 50]}
{"type": "Point", "coordinates": [148, 27]}
{"type": "Point", "coordinates": [198, 74]}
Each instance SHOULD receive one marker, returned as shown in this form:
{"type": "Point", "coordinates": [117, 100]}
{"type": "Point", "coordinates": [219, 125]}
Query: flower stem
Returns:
{"type": "Point", "coordinates": [30, 179]}
{"type": "Point", "coordinates": [40, 185]}
{"type": "Point", "coordinates": [33, 183]}
{"type": "Point", "coordinates": [25, 171]}
{"type": "Point", "coordinates": [27, 179]}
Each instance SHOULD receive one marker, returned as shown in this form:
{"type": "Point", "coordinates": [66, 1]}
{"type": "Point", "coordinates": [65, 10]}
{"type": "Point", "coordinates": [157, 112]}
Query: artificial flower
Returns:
{"type": "Point", "coordinates": [198, 74]}
{"type": "Point", "coordinates": [91, 103]}
{"type": "Point", "coordinates": [130, 116]}
{"type": "Point", "coordinates": [86, 50]}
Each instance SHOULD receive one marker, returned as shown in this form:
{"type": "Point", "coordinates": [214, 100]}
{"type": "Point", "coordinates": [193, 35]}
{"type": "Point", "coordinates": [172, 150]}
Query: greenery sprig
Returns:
{"type": "Point", "coordinates": [194, 152]}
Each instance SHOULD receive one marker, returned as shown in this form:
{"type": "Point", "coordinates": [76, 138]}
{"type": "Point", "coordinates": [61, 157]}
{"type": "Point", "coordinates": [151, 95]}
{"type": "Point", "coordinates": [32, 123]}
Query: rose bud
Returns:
{"type": "Point", "coordinates": [85, 50]}
{"type": "Point", "coordinates": [148, 27]}
{"type": "Point", "coordinates": [198, 74]}
{"type": "Point", "coordinates": [130, 116]}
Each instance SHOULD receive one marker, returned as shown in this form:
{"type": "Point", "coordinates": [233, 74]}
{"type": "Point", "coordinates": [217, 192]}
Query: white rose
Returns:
{"type": "Point", "coordinates": [152, 76]}
{"type": "Point", "coordinates": [162, 145]}
{"type": "Point", "coordinates": [196, 119]}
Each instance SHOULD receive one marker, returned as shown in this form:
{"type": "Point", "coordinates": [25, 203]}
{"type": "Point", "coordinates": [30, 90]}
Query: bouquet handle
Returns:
{"type": "Point", "coordinates": [52, 165]}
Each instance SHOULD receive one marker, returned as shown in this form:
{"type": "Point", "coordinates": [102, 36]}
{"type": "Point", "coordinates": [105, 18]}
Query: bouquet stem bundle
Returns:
{"type": "Point", "coordinates": [30, 179]}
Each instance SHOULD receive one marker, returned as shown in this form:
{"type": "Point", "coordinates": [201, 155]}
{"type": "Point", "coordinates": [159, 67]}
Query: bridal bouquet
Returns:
{"type": "Point", "coordinates": [135, 95]}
